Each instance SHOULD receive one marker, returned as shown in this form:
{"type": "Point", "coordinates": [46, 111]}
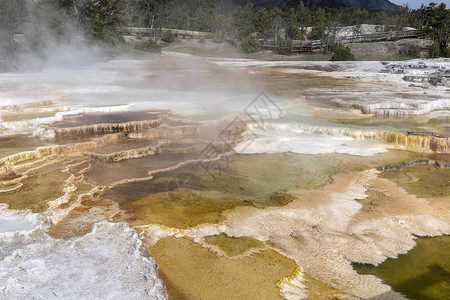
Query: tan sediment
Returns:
{"type": "Point", "coordinates": [315, 209]}
{"type": "Point", "coordinates": [326, 230]}
{"type": "Point", "coordinates": [79, 200]}
{"type": "Point", "coordinates": [298, 285]}
{"type": "Point", "coordinates": [44, 165]}
{"type": "Point", "coordinates": [21, 115]}
{"type": "Point", "coordinates": [173, 291]}
{"type": "Point", "coordinates": [177, 211]}
{"type": "Point", "coordinates": [165, 133]}
{"type": "Point", "coordinates": [288, 82]}
{"type": "Point", "coordinates": [415, 142]}
{"type": "Point", "coordinates": [7, 188]}
{"type": "Point", "coordinates": [50, 185]}
{"type": "Point", "coordinates": [105, 128]}
{"type": "Point", "coordinates": [231, 246]}
{"type": "Point", "coordinates": [322, 231]}
{"type": "Point", "coordinates": [163, 147]}
{"type": "Point", "coordinates": [35, 192]}
{"type": "Point", "coordinates": [74, 189]}
{"type": "Point", "coordinates": [190, 268]}
{"type": "Point", "coordinates": [258, 181]}
{"type": "Point", "coordinates": [12, 144]}
{"type": "Point", "coordinates": [75, 212]}
{"type": "Point", "coordinates": [74, 149]}
{"type": "Point", "coordinates": [81, 217]}
{"type": "Point", "coordinates": [80, 167]}
{"type": "Point", "coordinates": [29, 105]}
{"type": "Point", "coordinates": [421, 180]}
{"type": "Point", "coordinates": [179, 165]}
{"type": "Point", "coordinates": [123, 155]}
{"type": "Point", "coordinates": [79, 148]}
{"type": "Point", "coordinates": [7, 162]}
{"type": "Point", "coordinates": [15, 181]}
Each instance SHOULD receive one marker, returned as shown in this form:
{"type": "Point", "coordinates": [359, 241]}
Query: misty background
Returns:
{"type": "Point", "coordinates": [39, 33]}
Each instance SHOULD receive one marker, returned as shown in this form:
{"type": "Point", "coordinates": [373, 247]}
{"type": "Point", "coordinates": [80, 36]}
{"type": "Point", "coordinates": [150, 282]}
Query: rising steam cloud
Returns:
{"type": "Point", "coordinates": [43, 36]}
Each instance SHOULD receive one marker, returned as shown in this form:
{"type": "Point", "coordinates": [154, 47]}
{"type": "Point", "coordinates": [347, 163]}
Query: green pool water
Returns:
{"type": "Point", "coordinates": [423, 273]}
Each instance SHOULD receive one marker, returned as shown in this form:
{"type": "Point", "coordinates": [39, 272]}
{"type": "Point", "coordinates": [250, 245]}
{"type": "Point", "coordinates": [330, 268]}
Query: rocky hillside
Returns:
{"type": "Point", "coordinates": [367, 4]}
{"type": "Point", "coordinates": [372, 4]}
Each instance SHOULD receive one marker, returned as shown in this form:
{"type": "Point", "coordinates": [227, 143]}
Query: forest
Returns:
{"type": "Point", "coordinates": [28, 25]}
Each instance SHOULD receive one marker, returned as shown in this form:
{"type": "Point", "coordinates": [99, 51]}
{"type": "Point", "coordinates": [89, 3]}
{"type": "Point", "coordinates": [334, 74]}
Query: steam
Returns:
{"type": "Point", "coordinates": [46, 38]}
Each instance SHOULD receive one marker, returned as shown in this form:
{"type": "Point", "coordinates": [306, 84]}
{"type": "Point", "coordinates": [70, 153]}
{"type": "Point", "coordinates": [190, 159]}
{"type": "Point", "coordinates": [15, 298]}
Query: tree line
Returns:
{"type": "Point", "coordinates": [28, 24]}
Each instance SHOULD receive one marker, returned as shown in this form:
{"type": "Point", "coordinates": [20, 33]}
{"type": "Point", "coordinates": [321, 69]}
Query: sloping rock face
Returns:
{"type": "Point", "coordinates": [372, 4]}
{"type": "Point", "coordinates": [367, 4]}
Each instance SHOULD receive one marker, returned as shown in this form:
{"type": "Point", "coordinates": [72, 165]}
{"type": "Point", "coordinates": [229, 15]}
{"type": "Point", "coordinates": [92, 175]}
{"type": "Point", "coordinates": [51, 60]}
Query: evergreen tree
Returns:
{"type": "Point", "coordinates": [438, 28]}
{"type": "Point", "coordinates": [342, 53]}
{"type": "Point", "coordinates": [250, 44]}
{"type": "Point", "coordinates": [101, 18]}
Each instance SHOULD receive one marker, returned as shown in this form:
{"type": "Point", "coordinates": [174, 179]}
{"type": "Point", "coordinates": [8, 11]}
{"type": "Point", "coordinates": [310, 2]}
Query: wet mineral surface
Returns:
{"type": "Point", "coordinates": [225, 224]}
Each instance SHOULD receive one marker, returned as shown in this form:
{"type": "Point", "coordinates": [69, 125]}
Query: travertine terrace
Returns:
{"type": "Point", "coordinates": [142, 170]}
